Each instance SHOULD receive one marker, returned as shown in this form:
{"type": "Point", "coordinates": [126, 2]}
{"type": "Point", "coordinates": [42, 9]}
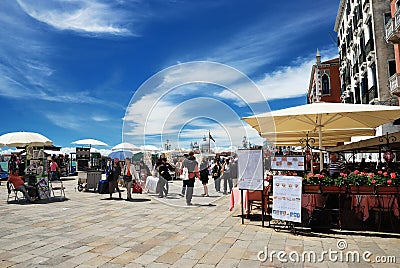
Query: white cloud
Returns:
{"type": "Point", "coordinates": [83, 16]}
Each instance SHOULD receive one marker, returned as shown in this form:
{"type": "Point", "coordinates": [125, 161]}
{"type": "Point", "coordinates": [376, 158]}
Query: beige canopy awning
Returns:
{"type": "Point", "coordinates": [371, 145]}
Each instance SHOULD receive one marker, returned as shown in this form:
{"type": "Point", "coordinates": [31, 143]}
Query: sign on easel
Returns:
{"type": "Point", "coordinates": [287, 198]}
{"type": "Point", "coordinates": [250, 170]}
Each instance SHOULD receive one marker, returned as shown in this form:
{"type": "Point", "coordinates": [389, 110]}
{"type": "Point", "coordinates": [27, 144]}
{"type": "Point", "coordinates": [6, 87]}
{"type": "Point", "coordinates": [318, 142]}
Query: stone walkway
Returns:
{"type": "Point", "coordinates": [89, 230]}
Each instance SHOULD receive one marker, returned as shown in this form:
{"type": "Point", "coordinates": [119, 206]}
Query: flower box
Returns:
{"type": "Point", "coordinates": [311, 189]}
{"type": "Point", "coordinates": [362, 189]}
{"type": "Point", "coordinates": [333, 189]}
{"type": "Point", "coordinates": [386, 190]}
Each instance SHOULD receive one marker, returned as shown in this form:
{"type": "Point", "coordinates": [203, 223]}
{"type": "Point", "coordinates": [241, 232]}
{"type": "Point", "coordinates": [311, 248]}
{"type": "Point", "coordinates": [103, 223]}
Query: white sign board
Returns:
{"type": "Point", "coordinates": [287, 162]}
{"type": "Point", "coordinates": [250, 170]}
{"type": "Point", "coordinates": [287, 198]}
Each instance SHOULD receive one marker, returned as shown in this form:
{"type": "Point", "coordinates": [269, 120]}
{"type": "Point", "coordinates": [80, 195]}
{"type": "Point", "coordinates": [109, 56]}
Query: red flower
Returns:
{"type": "Point", "coordinates": [356, 172]}
{"type": "Point", "coordinates": [389, 181]}
{"type": "Point", "coordinates": [370, 175]}
{"type": "Point", "coordinates": [393, 175]}
{"type": "Point", "coordinates": [385, 173]}
{"type": "Point", "coordinates": [373, 181]}
{"type": "Point", "coordinates": [380, 172]}
{"type": "Point", "coordinates": [310, 175]}
{"type": "Point", "coordinates": [321, 176]}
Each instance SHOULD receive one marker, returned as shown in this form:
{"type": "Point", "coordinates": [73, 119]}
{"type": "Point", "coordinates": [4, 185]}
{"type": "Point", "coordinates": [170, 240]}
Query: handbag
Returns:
{"type": "Point", "coordinates": [136, 188]}
{"type": "Point", "coordinates": [185, 174]}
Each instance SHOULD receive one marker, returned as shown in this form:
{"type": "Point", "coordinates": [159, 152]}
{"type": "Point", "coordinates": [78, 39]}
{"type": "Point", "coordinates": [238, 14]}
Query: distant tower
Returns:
{"type": "Point", "coordinates": [318, 57]}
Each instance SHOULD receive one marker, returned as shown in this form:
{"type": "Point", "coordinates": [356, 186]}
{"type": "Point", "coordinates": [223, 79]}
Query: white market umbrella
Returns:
{"type": "Point", "coordinates": [90, 142]}
{"type": "Point", "coordinates": [322, 117]}
{"type": "Point", "coordinates": [149, 148]}
{"type": "Point", "coordinates": [19, 139]}
{"type": "Point", "coordinates": [125, 146]}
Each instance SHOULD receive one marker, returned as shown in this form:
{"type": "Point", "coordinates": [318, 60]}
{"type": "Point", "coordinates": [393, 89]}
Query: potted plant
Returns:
{"type": "Point", "coordinates": [358, 183]}
{"type": "Point", "coordinates": [312, 183]}
{"type": "Point", "coordinates": [384, 182]}
{"type": "Point", "coordinates": [334, 185]}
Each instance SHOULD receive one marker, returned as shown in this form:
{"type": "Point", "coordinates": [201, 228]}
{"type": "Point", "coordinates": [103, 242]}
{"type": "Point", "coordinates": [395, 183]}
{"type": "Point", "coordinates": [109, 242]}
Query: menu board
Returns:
{"type": "Point", "coordinates": [250, 170]}
{"type": "Point", "coordinates": [287, 198]}
{"type": "Point", "coordinates": [283, 162]}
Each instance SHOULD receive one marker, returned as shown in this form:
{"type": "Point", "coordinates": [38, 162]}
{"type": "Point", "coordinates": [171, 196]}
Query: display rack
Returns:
{"type": "Point", "coordinates": [37, 170]}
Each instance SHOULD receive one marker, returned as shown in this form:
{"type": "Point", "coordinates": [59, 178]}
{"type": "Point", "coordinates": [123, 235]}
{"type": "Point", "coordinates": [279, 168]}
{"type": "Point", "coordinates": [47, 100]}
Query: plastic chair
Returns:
{"type": "Point", "coordinates": [16, 194]}
{"type": "Point", "coordinates": [55, 186]}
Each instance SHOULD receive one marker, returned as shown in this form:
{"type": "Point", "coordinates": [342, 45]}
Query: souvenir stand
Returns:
{"type": "Point", "coordinates": [37, 168]}
{"type": "Point", "coordinates": [251, 175]}
{"type": "Point", "coordinates": [287, 192]}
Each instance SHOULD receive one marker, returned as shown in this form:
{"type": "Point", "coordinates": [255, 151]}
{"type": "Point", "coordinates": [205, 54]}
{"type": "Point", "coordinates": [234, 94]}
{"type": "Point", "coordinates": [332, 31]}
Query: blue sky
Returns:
{"type": "Point", "coordinates": [70, 69]}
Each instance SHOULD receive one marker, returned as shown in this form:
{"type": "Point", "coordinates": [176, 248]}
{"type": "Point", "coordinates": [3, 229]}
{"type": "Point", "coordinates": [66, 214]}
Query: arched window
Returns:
{"type": "Point", "coordinates": [325, 85]}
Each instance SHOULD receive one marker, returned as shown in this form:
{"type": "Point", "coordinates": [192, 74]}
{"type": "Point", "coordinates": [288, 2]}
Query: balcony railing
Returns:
{"type": "Point", "coordinates": [397, 20]}
{"type": "Point", "coordinates": [391, 34]}
{"type": "Point", "coordinates": [394, 84]}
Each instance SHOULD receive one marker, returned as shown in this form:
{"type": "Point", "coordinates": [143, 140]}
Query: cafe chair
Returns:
{"type": "Point", "coordinates": [383, 209]}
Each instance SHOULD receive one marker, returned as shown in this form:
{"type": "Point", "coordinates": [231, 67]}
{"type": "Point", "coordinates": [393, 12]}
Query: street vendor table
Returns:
{"type": "Point", "coordinates": [151, 184]}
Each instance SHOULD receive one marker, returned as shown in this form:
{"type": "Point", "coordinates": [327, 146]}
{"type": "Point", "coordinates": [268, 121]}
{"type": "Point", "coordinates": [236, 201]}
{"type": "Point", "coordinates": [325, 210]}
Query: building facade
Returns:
{"type": "Point", "coordinates": [366, 60]}
{"type": "Point", "coordinates": [324, 81]}
{"type": "Point", "coordinates": [392, 34]}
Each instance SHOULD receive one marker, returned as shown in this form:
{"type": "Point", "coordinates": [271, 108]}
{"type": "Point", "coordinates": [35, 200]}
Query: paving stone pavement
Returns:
{"type": "Point", "coordinates": [89, 230]}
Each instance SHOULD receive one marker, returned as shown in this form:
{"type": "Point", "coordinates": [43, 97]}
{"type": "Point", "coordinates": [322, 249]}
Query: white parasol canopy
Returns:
{"type": "Point", "coordinates": [125, 146]}
{"type": "Point", "coordinates": [17, 139]}
{"type": "Point", "coordinates": [90, 142]}
{"type": "Point", "coordinates": [151, 148]}
{"type": "Point", "coordinates": [323, 117]}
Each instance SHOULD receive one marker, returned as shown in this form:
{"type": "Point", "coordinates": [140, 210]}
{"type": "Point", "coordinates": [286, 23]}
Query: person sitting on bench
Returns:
{"type": "Point", "coordinates": [19, 185]}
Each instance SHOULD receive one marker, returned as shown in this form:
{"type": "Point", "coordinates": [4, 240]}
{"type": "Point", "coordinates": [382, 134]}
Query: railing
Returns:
{"type": "Point", "coordinates": [397, 20]}
{"type": "Point", "coordinates": [394, 84]}
{"type": "Point", "coordinates": [389, 30]}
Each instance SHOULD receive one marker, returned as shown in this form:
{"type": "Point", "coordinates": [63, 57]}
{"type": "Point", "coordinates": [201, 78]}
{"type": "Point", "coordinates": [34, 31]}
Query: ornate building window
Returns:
{"type": "Point", "coordinates": [325, 84]}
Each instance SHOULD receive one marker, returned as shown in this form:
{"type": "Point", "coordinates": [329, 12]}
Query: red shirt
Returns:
{"type": "Point", "coordinates": [53, 166]}
{"type": "Point", "coordinates": [16, 180]}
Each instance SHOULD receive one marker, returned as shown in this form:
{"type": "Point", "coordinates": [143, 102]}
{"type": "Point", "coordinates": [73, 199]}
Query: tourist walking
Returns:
{"type": "Point", "coordinates": [53, 169]}
{"type": "Point", "coordinates": [129, 175]}
{"type": "Point", "coordinates": [204, 175]}
{"type": "Point", "coordinates": [226, 176]}
{"type": "Point", "coordinates": [193, 168]}
{"type": "Point", "coordinates": [114, 174]}
{"type": "Point", "coordinates": [216, 175]}
{"type": "Point", "coordinates": [163, 170]}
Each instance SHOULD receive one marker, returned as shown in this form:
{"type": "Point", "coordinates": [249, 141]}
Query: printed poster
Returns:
{"type": "Point", "coordinates": [287, 162]}
{"type": "Point", "coordinates": [250, 170]}
{"type": "Point", "coordinates": [287, 198]}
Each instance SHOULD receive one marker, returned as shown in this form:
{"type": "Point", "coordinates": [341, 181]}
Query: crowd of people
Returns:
{"type": "Point", "coordinates": [223, 170]}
